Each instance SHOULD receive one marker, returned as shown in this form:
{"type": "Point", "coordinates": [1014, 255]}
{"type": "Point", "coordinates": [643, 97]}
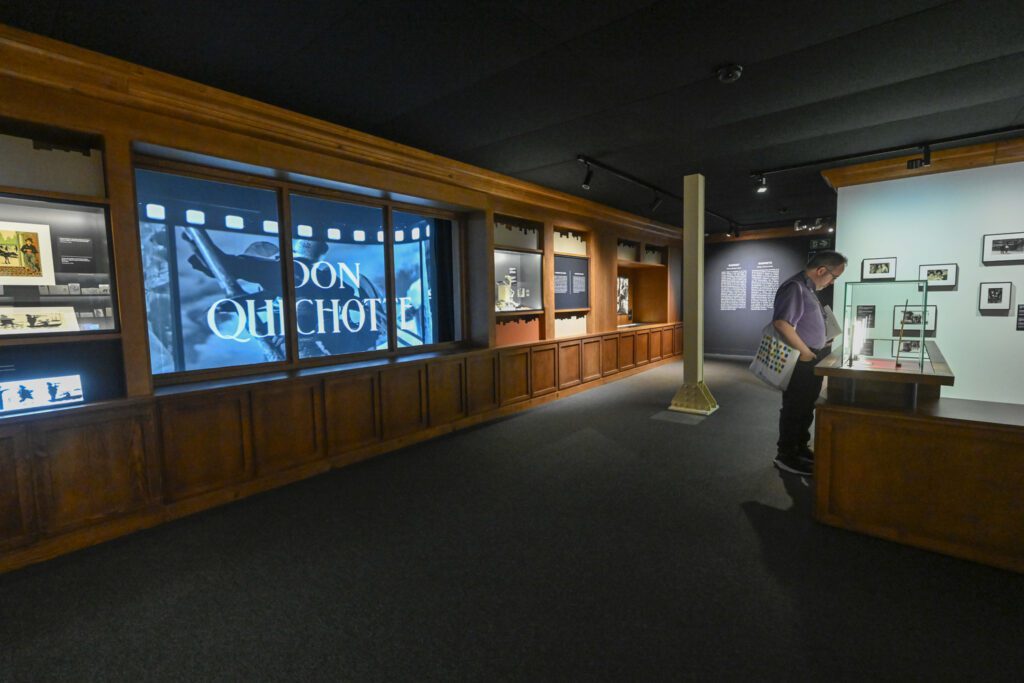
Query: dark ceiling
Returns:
{"type": "Point", "coordinates": [524, 86]}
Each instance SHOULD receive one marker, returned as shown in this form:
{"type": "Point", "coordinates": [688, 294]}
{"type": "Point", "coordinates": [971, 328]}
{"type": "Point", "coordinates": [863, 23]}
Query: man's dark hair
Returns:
{"type": "Point", "coordinates": [827, 258]}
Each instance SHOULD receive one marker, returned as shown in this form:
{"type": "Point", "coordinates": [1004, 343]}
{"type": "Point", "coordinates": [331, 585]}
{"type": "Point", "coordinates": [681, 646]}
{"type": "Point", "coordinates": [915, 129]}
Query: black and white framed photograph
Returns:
{"type": "Point", "coordinates": [878, 268]}
{"type": "Point", "coordinates": [940, 276]}
{"type": "Point", "coordinates": [906, 346]}
{"type": "Point", "coordinates": [867, 314]}
{"type": "Point", "coordinates": [994, 298]}
{"type": "Point", "coordinates": [1003, 249]}
{"type": "Point", "coordinates": [912, 320]}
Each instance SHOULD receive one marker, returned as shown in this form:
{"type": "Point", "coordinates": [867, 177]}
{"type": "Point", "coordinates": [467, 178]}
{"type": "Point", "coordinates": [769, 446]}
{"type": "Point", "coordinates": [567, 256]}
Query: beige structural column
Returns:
{"type": "Point", "coordinates": [694, 396]}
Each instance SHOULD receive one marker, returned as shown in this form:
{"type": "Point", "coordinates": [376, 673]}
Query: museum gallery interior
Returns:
{"type": "Point", "coordinates": [410, 340]}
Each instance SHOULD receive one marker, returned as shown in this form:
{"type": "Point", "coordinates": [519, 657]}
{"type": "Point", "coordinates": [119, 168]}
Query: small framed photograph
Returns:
{"type": "Point", "coordinates": [878, 268]}
{"type": "Point", "coordinates": [994, 298]}
{"type": "Point", "coordinates": [940, 276]}
{"type": "Point", "coordinates": [1004, 248]}
{"type": "Point", "coordinates": [867, 348]}
{"type": "Point", "coordinates": [905, 346]}
{"type": "Point", "coordinates": [867, 314]}
{"type": "Point", "coordinates": [912, 320]}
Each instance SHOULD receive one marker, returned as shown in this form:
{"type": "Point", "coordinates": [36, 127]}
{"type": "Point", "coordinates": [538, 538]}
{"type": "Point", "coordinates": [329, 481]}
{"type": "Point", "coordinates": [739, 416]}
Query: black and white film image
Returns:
{"type": "Point", "coordinates": [41, 392]}
{"type": "Point", "coordinates": [622, 295]}
{"type": "Point", "coordinates": [994, 298]}
{"type": "Point", "coordinates": [1003, 248]}
{"type": "Point", "coordinates": [878, 268]}
{"type": "Point", "coordinates": [912, 320]}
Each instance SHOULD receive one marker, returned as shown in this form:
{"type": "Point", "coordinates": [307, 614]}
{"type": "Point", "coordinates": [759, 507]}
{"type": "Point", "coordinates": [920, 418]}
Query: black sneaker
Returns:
{"type": "Point", "coordinates": [789, 462]}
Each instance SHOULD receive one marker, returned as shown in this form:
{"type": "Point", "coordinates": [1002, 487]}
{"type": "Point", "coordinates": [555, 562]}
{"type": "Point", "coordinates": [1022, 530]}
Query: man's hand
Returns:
{"type": "Point", "coordinates": [807, 356]}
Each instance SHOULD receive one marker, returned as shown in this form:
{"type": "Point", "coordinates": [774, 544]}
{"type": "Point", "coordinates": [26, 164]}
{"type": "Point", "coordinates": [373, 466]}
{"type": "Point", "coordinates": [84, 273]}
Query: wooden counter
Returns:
{"type": "Point", "coordinates": [948, 477]}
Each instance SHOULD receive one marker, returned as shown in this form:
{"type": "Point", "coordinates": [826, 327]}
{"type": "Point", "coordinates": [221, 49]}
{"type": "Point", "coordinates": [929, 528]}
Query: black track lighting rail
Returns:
{"type": "Point", "coordinates": [887, 151]}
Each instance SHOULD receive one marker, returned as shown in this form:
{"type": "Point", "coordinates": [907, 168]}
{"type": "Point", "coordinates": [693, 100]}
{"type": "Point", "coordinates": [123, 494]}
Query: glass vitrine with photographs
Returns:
{"type": "Point", "coordinates": [887, 323]}
{"type": "Point", "coordinates": [55, 274]}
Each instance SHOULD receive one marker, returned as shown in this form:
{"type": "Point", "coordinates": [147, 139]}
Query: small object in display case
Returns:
{"type": "Point", "coordinates": [517, 287]}
{"type": "Point", "coordinates": [52, 256]}
{"type": "Point", "coordinates": [27, 258]}
{"type": "Point", "coordinates": [905, 346]}
{"type": "Point", "coordinates": [914, 319]}
{"type": "Point", "coordinates": [40, 392]}
{"type": "Point", "coordinates": [867, 314]}
{"type": "Point", "coordinates": [940, 276]}
{"type": "Point", "coordinates": [43, 319]}
{"type": "Point", "coordinates": [622, 296]}
{"type": "Point", "coordinates": [1003, 249]}
{"type": "Point", "coordinates": [994, 298]}
{"type": "Point", "coordinates": [878, 268]}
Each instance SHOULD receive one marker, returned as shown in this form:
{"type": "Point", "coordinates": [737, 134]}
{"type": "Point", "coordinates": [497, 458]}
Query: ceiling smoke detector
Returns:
{"type": "Point", "coordinates": [729, 73]}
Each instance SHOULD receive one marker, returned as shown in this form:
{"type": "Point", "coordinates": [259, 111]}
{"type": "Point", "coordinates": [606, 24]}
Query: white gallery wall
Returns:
{"type": "Point", "coordinates": [942, 218]}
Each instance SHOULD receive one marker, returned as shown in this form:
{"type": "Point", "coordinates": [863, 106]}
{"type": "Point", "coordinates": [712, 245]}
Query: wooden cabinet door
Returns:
{"type": "Point", "coordinates": [17, 523]}
{"type": "Point", "coordinates": [515, 376]}
{"type": "Point", "coordinates": [207, 444]}
{"type": "Point", "coordinates": [93, 468]}
{"type": "Point", "coordinates": [287, 425]}
{"type": "Point", "coordinates": [352, 412]}
{"type": "Point", "coordinates": [446, 391]}
{"type": "Point", "coordinates": [544, 369]}
{"type": "Point", "coordinates": [482, 383]}
{"type": "Point", "coordinates": [403, 400]}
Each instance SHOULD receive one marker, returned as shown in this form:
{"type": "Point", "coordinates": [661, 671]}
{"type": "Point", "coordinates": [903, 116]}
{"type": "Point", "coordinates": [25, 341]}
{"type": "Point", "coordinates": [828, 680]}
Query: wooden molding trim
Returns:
{"type": "Point", "coordinates": [943, 161]}
{"type": "Point", "coordinates": [764, 234]}
{"type": "Point", "coordinates": [51, 63]}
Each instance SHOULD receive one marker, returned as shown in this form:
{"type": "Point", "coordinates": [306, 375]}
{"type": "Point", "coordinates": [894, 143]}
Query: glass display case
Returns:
{"type": "Point", "coordinates": [518, 286]}
{"type": "Point", "coordinates": [885, 325]}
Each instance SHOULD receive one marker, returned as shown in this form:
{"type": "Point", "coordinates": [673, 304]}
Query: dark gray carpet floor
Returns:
{"type": "Point", "coordinates": [595, 538]}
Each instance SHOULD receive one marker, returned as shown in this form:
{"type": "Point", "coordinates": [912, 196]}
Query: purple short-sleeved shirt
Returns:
{"type": "Point", "coordinates": [797, 303]}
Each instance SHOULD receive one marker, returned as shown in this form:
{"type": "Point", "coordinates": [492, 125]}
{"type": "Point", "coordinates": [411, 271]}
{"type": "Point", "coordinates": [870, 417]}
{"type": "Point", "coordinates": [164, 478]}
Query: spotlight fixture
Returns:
{"type": "Point", "coordinates": [587, 178]}
{"type": "Point", "coordinates": [655, 204]}
{"type": "Point", "coordinates": [761, 183]}
{"type": "Point", "coordinates": [729, 73]}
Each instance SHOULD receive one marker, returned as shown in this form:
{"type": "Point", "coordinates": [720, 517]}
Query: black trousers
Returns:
{"type": "Point", "coordinates": [798, 401]}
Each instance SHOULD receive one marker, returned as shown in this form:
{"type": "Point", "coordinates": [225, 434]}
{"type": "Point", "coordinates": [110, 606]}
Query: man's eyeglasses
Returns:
{"type": "Point", "coordinates": [831, 274]}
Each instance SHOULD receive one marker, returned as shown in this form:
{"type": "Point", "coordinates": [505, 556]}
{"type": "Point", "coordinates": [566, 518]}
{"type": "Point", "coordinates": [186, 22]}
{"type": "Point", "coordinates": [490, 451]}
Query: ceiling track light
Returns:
{"type": "Point", "coordinates": [761, 184]}
{"type": "Point", "coordinates": [656, 204]}
{"type": "Point", "coordinates": [587, 178]}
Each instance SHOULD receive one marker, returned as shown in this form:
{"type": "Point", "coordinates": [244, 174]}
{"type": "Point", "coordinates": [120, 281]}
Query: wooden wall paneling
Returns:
{"type": "Point", "coordinates": [127, 266]}
{"type": "Point", "coordinates": [515, 375]}
{"type": "Point", "coordinates": [479, 262]}
{"type": "Point", "coordinates": [609, 354]}
{"type": "Point", "coordinates": [543, 369]}
{"type": "Point", "coordinates": [94, 467]}
{"type": "Point", "coordinates": [547, 281]}
{"type": "Point", "coordinates": [651, 302]}
{"type": "Point", "coordinates": [512, 330]}
{"type": "Point", "coordinates": [482, 372]}
{"type": "Point", "coordinates": [352, 411]}
{"type": "Point", "coordinates": [17, 514]}
{"type": "Point", "coordinates": [675, 284]}
{"type": "Point", "coordinates": [570, 364]}
{"type": "Point", "coordinates": [604, 269]}
{"type": "Point", "coordinates": [627, 347]}
{"type": "Point", "coordinates": [642, 347]}
{"type": "Point", "coordinates": [403, 400]}
{"type": "Point", "coordinates": [666, 342]}
{"type": "Point", "coordinates": [955, 487]}
{"type": "Point", "coordinates": [591, 359]}
{"type": "Point", "coordinates": [287, 425]}
{"type": "Point", "coordinates": [677, 340]}
{"type": "Point", "coordinates": [446, 390]}
{"type": "Point", "coordinates": [207, 442]}
{"type": "Point", "coordinates": [655, 338]}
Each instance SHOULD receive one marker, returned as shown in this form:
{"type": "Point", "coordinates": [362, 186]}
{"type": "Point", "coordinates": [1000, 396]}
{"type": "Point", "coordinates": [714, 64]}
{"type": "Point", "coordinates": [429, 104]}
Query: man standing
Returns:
{"type": "Point", "coordinates": [800, 321]}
